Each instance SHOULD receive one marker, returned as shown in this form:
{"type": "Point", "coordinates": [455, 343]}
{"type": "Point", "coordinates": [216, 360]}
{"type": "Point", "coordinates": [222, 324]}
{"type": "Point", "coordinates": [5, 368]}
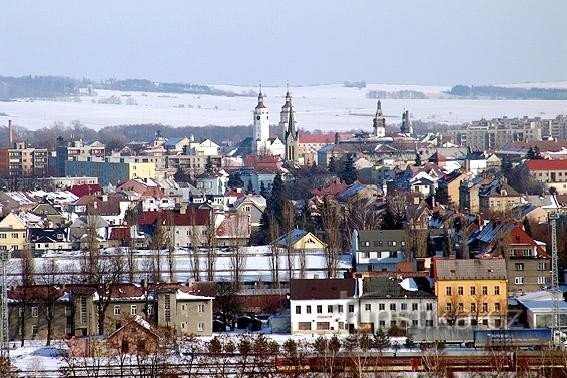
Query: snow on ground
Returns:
{"type": "Point", "coordinates": [34, 356]}
{"type": "Point", "coordinates": [255, 263]}
{"type": "Point", "coordinates": [326, 107]}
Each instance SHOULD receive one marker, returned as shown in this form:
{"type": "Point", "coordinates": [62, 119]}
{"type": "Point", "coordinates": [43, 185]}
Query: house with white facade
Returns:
{"type": "Point", "coordinates": [321, 306]}
{"type": "Point", "coordinates": [387, 302]}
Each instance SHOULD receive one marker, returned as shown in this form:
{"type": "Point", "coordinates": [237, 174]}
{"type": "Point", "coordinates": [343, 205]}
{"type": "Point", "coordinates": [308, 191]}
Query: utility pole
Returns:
{"type": "Point", "coordinates": [4, 330]}
{"type": "Point", "coordinates": [555, 324]}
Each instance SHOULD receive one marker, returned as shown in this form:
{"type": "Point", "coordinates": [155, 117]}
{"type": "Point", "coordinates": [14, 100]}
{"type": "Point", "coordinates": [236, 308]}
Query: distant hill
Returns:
{"type": "Point", "coordinates": [59, 86]}
{"type": "Point", "coordinates": [509, 93]}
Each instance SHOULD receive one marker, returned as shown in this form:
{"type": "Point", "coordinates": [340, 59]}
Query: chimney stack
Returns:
{"type": "Point", "coordinates": [10, 134]}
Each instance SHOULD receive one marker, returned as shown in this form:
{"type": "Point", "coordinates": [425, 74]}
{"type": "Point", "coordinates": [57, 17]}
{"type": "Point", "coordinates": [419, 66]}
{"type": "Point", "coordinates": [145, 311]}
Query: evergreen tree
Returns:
{"type": "Point", "coordinates": [527, 226]}
{"type": "Point", "coordinates": [348, 173]}
{"type": "Point", "coordinates": [417, 159]}
{"type": "Point", "coordinates": [381, 340]}
{"type": "Point", "coordinates": [209, 165]}
{"type": "Point", "coordinates": [277, 197]}
{"type": "Point", "coordinates": [263, 192]}
{"type": "Point", "coordinates": [250, 188]}
{"type": "Point", "coordinates": [235, 181]}
{"type": "Point", "coordinates": [530, 155]}
{"type": "Point", "coordinates": [441, 195]}
{"type": "Point", "coordinates": [332, 164]}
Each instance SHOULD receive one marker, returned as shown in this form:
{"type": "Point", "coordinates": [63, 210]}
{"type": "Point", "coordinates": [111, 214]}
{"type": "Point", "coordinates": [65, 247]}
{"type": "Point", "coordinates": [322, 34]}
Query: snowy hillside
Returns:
{"type": "Point", "coordinates": [326, 107]}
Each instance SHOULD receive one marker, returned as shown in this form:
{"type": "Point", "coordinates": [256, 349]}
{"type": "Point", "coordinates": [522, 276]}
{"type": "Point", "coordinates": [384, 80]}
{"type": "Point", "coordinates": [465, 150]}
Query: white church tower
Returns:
{"type": "Point", "coordinates": [379, 122]}
{"type": "Point", "coordinates": [261, 127]}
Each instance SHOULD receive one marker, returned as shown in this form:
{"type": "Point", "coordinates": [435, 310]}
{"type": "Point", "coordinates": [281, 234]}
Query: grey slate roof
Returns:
{"type": "Point", "coordinates": [453, 269]}
{"type": "Point", "coordinates": [384, 287]}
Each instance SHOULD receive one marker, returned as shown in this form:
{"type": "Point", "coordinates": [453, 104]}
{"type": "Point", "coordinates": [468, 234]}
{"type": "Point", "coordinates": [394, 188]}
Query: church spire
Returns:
{"type": "Point", "coordinates": [260, 99]}
{"type": "Point", "coordinates": [379, 109]}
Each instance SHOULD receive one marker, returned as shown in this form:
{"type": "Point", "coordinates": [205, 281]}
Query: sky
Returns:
{"type": "Point", "coordinates": [443, 42]}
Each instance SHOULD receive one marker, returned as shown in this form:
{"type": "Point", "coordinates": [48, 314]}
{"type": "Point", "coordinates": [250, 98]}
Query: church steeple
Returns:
{"type": "Point", "coordinates": [289, 128]}
{"type": "Point", "coordinates": [260, 99]}
{"type": "Point", "coordinates": [379, 122]}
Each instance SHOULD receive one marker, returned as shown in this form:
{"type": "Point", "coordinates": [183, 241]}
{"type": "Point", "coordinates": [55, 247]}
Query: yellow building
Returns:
{"type": "Point", "coordinates": [13, 232]}
{"type": "Point", "coordinates": [471, 292]}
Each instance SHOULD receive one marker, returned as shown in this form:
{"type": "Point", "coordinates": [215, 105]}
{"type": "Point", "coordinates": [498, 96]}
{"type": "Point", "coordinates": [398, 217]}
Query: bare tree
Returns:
{"type": "Point", "coordinates": [27, 271]}
{"type": "Point", "coordinates": [49, 274]}
{"type": "Point", "coordinates": [416, 241]}
{"type": "Point", "coordinates": [273, 229]}
{"type": "Point", "coordinates": [131, 221]}
{"type": "Point", "coordinates": [195, 243]}
{"type": "Point", "coordinates": [158, 241]}
{"type": "Point", "coordinates": [170, 222]}
{"type": "Point", "coordinates": [288, 224]}
{"type": "Point", "coordinates": [211, 246]}
{"type": "Point", "coordinates": [234, 228]}
{"type": "Point", "coordinates": [330, 217]}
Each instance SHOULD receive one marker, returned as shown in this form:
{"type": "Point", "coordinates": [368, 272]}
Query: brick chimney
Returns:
{"type": "Point", "coordinates": [10, 134]}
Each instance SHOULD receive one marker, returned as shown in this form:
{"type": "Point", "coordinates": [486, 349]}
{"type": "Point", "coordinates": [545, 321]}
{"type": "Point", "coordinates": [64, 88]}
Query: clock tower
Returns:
{"type": "Point", "coordinates": [261, 126]}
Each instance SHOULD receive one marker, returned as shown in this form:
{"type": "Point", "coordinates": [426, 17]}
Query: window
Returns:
{"type": "Point", "coordinates": [415, 323]}
{"type": "Point", "coordinates": [298, 309]}
{"type": "Point", "coordinates": [350, 308]}
{"type": "Point", "coordinates": [473, 290]}
{"type": "Point", "coordinates": [368, 307]}
{"type": "Point", "coordinates": [429, 323]}
{"type": "Point", "coordinates": [497, 323]}
{"type": "Point", "coordinates": [404, 306]}
{"type": "Point", "coordinates": [496, 290]}
{"type": "Point", "coordinates": [323, 326]}
{"type": "Point", "coordinates": [21, 312]}
{"type": "Point", "coordinates": [485, 290]}
{"type": "Point", "coordinates": [201, 308]}
{"type": "Point", "coordinates": [365, 255]}
{"type": "Point", "coordinates": [461, 307]}
{"type": "Point", "coordinates": [319, 309]}
{"type": "Point", "coordinates": [308, 309]}
{"type": "Point", "coordinates": [381, 306]}
{"type": "Point", "coordinates": [497, 307]}
{"type": "Point", "coordinates": [429, 306]}
{"type": "Point", "coordinates": [460, 290]}
{"type": "Point", "coordinates": [448, 290]}
{"type": "Point", "coordinates": [117, 310]}
{"type": "Point", "coordinates": [35, 330]}
{"type": "Point", "coordinates": [14, 235]}
{"type": "Point", "coordinates": [473, 307]}
{"type": "Point", "coordinates": [382, 323]}
{"type": "Point", "coordinates": [527, 252]}
{"type": "Point", "coordinates": [449, 307]}
{"type": "Point", "coordinates": [68, 311]}
{"type": "Point", "coordinates": [484, 322]}
{"type": "Point", "coordinates": [541, 280]}
{"type": "Point", "coordinates": [366, 244]}
{"type": "Point", "coordinates": [392, 323]}
{"type": "Point", "coordinates": [341, 308]}
{"type": "Point", "coordinates": [414, 306]}
{"type": "Point", "coordinates": [330, 309]}
{"type": "Point", "coordinates": [485, 307]}
{"type": "Point", "coordinates": [305, 326]}
{"type": "Point", "coordinates": [519, 280]}
{"type": "Point", "coordinates": [133, 309]}
{"type": "Point", "coordinates": [200, 327]}
{"type": "Point", "coordinates": [34, 312]}
{"type": "Point", "coordinates": [150, 309]}
{"type": "Point", "coordinates": [392, 307]}
{"type": "Point", "coordinates": [542, 266]}
{"type": "Point", "coordinates": [519, 266]}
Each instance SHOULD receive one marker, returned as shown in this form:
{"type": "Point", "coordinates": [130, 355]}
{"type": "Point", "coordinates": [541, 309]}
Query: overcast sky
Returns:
{"type": "Point", "coordinates": [304, 41]}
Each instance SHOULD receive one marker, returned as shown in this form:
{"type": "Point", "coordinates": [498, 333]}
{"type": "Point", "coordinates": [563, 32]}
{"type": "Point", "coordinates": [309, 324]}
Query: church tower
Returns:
{"type": "Point", "coordinates": [261, 127]}
{"type": "Point", "coordinates": [284, 116]}
{"type": "Point", "coordinates": [379, 122]}
{"type": "Point", "coordinates": [406, 125]}
{"type": "Point", "coordinates": [291, 134]}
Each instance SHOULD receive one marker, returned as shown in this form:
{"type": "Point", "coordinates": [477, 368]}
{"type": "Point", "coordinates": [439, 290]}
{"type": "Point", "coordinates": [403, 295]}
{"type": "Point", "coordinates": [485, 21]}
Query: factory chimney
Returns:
{"type": "Point", "coordinates": [10, 134]}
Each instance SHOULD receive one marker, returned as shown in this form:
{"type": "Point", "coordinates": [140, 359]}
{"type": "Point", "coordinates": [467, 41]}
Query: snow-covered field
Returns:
{"type": "Point", "coordinates": [326, 107]}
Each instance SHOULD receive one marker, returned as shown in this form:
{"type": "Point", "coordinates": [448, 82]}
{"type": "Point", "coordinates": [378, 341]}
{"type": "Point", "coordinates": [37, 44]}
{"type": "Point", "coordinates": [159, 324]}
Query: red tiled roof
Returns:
{"type": "Point", "coordinates": [546, 165]}
{"type": "Point", "coordinates": [542, 145]}
{"type": "Point", "coordinates": [120, 233]}
{"type": "Point", "coordinates": [332, 189]}
{"type": "Point", "coordinates": [322, 138]}
{"type": "Point", "coordinates": [192, 217]}
{"type": "Point", "coordinates": [81, 190]}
